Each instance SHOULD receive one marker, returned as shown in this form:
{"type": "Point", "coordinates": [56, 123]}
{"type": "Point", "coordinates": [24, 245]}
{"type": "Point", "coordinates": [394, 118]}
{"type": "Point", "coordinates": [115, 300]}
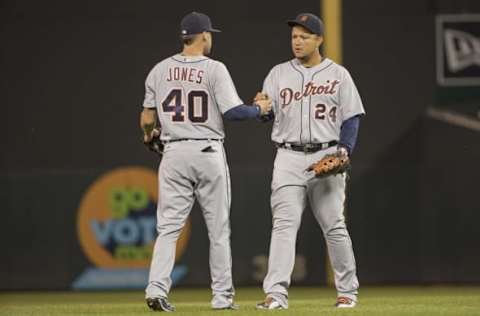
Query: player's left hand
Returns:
{"type": "Point", "coordinates": [148, 137]}
{"type": "Point", "coordinates": [153, 142]}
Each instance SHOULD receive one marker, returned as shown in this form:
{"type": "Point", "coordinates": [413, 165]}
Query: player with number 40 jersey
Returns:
{"type": "Point", "coordinates": [189, 94]}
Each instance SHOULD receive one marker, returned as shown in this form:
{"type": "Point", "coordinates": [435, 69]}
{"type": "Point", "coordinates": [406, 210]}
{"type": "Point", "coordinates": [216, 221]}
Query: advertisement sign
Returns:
{"type": "Point", "coordinates": [458, 50]}
{"type": "Point", "coordinates": [116, 228]}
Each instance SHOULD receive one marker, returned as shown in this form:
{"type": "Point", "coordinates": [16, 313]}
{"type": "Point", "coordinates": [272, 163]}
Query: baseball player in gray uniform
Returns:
{"type": "Point", "coordinates": [316, 110]}
{"type": "Point", "coordinates": [189, 93]}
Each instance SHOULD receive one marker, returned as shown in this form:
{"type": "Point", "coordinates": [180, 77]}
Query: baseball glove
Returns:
{"type": "Point", "coordinates": [155, 144]}
{"type": "Point", "coordinates": [331, 164]}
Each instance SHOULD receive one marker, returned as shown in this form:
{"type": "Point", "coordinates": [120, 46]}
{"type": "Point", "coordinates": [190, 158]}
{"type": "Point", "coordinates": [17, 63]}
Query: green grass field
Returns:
{"type": "Point", "coordinates": [303, 301]}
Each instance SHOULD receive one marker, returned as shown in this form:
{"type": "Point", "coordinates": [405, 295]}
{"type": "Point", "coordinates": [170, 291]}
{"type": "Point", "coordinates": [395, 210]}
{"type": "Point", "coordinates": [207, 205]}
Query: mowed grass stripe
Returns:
{"type": "Point", "coordinates": [303, 301]}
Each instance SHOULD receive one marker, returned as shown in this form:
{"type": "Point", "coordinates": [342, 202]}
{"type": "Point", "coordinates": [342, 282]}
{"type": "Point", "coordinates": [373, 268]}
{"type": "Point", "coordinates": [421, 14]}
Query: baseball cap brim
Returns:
{"type": "Point", "coordinates": [213, 30]}
{"type": "Point", "coordinates": [293, 23]}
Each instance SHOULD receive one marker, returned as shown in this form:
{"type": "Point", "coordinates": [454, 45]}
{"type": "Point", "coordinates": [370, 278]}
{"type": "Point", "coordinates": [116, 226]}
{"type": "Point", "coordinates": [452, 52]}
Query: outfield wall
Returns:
{"type": "Point", "coordinates": [78, 188]}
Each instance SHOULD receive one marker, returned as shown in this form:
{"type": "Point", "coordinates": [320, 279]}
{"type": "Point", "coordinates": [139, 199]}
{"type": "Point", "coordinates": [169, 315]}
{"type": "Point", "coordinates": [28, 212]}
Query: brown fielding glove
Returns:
{"type": "Point", "coordinates": [331, 164]}
{"type": "Point", "coordinates": [155, 144]}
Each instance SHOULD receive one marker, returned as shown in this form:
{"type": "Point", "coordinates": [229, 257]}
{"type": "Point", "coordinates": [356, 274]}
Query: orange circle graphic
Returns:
{"type": "Point", "coordinates": [96, 208]}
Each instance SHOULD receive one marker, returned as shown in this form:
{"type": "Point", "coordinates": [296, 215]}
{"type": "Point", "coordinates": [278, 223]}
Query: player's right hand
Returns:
{"type": "Point", "coordinates": [265, 105]}
{"type": "Point", "coordinates": [260, 96]}
{"type": "Point", "coordinates": [262, 100]}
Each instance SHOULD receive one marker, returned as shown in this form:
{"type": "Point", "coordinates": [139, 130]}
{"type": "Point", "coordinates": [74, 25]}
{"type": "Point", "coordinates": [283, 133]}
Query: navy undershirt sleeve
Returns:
{"type": "Point", "coordinates": [349, 133]}
{"type": "Point", "coordinates": [242, 112]}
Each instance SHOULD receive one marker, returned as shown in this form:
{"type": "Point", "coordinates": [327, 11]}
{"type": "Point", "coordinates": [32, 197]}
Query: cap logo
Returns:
{"type": "Point", "coordinates": [303, 18]}
{"type": "Point", "coordinates": [184, 31]}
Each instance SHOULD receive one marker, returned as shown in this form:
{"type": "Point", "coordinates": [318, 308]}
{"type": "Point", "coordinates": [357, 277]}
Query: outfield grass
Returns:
{"type": "Point", "coordinates": [303, 301]}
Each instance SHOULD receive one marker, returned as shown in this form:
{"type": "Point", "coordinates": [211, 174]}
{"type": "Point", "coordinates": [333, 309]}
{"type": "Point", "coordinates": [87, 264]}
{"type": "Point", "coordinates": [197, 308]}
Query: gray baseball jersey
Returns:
{"type": "Point", "coordinates": [190, 95]}
{"type": "Point", "coordinates": [310, 104]}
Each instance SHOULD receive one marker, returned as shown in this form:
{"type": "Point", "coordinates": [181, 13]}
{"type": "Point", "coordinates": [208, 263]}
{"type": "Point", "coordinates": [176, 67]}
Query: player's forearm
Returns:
{"type": "Point", "coordinates": [147, 121]}
{"type": "Point", "coordinates": [242, 112]}
{"type": "Point", "coordinates": [349, 133]}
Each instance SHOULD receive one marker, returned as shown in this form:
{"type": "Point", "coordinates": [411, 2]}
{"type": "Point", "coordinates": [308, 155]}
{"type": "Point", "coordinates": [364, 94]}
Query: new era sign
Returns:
{"type": "Point", "coordinates": [458, 50]}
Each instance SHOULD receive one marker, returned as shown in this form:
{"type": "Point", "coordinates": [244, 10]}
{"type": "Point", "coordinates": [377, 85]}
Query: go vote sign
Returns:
{"type": "Point", "coordinates": [116, 227]}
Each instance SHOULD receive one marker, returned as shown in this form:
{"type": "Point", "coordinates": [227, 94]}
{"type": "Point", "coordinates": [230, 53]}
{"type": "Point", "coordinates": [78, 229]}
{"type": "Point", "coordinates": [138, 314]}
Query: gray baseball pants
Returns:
{"type": "Point", "coordinates": [188, 170]}
{"type": "Point", "coordinates": [291, 188]}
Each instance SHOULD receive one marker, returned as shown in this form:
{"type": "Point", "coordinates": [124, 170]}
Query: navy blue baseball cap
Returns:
{"type": "Point", "coordinates": [309, 21]}
{"type": "Point", "coordinates": [195, 23]}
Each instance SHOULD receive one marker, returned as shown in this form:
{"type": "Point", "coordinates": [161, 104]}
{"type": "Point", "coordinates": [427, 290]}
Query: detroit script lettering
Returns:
{"type": "Point", "coordinates": [287, 94]}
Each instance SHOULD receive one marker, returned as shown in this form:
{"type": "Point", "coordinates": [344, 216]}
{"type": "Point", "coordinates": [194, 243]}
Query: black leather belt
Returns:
{"type": "Point", "coordinates": [186, 139]}
{"type": "Point", "coordinates": [307, 148]}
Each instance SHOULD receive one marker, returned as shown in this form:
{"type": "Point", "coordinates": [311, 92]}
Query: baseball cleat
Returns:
{"type": "Point", "coordinates": [269, 303]}
{"type": "Point", "coordinates": [232, 306]}
{"type": "Point", "coordinates": [345, 302]}
{"type": "Point", "coordinates": [160, 304]}
{"type": "Point", "coordinates": [224, 302]}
